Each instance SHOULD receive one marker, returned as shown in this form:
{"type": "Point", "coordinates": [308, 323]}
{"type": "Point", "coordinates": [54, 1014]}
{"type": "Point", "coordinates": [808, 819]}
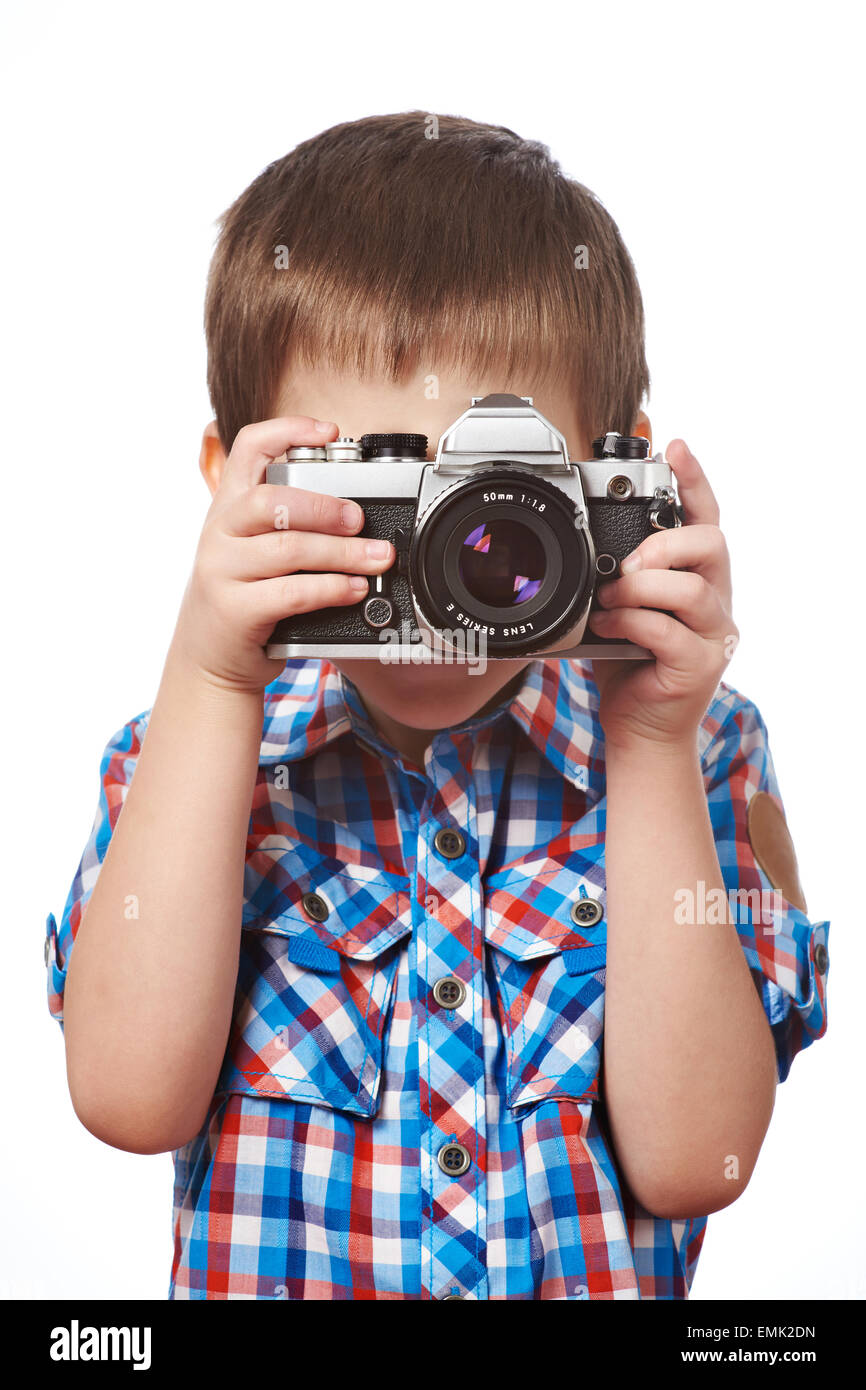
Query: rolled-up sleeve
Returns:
{"type": "Point", "coordinates": [115, 774]}
{"type": "Point", "coordinates": [786, 950]}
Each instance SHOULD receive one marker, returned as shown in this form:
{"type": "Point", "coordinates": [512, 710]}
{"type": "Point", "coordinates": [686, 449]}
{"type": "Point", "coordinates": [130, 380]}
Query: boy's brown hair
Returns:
{"type": "Point", "coordinates": [420, 241]}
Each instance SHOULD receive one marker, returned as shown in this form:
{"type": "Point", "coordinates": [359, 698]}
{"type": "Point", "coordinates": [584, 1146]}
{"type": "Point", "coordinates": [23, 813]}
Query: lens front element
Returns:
{"type": "Point", "coordinates": [501, 563]}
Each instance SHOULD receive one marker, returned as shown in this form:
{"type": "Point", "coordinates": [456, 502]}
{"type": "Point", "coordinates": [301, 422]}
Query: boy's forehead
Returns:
{"type": "Point", "coordinates": [426, 402]}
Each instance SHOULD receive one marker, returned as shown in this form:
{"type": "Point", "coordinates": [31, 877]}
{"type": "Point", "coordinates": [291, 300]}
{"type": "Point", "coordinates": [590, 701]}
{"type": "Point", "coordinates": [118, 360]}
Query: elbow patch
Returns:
{"type": "Point", "coordinates": [773, 848]}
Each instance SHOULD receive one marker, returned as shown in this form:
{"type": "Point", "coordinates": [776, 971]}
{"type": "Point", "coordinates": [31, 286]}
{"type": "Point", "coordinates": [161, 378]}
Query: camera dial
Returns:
{"type": "Point", "coordinates": [393, 446]}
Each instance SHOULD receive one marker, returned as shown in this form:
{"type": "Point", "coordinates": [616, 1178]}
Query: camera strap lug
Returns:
{"type": "Point", "coordinates": [664, 501]}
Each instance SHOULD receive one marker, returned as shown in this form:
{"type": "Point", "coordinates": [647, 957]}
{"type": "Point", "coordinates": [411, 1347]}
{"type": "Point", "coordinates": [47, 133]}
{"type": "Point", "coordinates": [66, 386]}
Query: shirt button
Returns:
{"type": "Point", "coordinates": [446, 1298]}
{"type": "Point", "coordinates": [449, 992]}
{"type": "Point", "coordinates": [586, 912]}
{"type": "Point", "coordinates": [453, 1159]}
{"type": "Point", "coordinates": [449, 843]}
{"type": "Point", "coordinates": [315, 906]}
{"type": "Point", "coordinates": [822, 960]}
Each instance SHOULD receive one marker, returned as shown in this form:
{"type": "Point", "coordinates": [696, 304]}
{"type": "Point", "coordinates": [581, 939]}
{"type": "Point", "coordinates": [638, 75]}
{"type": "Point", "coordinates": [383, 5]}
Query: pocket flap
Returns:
{"type": "Point", "coordinates": [367, 908]}
{"type": "Point", "coordinates": [528, 911]}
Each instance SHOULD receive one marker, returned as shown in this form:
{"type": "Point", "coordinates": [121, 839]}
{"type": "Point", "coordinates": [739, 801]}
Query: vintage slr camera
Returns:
{"type": "Point", "coordinates": [501, 539]}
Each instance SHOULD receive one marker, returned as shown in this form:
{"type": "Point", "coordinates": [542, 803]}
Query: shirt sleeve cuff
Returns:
{"type": "Point", "coordinates": [56, 971]}
{"type": "Point", "coordinates": [789, 953]}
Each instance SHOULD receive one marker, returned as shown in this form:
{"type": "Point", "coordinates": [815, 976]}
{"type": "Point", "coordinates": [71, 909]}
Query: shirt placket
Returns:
{"type": "Point", "coordinates": [449, 977]}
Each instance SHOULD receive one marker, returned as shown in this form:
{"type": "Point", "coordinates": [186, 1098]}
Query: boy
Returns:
{"type": "Point", "coordinates": [348, 949]}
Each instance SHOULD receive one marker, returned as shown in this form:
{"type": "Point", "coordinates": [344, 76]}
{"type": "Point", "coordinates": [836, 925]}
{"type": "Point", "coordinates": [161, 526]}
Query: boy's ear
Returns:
{"type": "Point", "coordinates": [212, 459]}
{"type": "Point", "coordinates": [643, 426]}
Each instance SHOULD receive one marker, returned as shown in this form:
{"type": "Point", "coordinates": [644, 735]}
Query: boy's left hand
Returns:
{"type": "Point", "coordinates": [685, 570]}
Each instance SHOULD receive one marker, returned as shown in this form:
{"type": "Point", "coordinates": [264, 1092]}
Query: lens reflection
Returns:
{"type": "Point", "coordinates": [502, 563]}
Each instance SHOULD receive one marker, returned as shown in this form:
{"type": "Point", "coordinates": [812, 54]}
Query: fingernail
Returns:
{"type": "Point", "coordinates": [357, 581]}
{"type": "Point", "coordinates": [377, 550]}
{"type": "Point", "coordinates": [351, 515]}
{"type": "Point", "coordinates": [324, 425]}
{"type": "Point", "coordinates": [630, 563]}
{"type": "Point", "coordinates": [603, 593]}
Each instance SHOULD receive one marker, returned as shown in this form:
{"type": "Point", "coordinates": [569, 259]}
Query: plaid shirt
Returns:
{"type": "Point", "coordinates": [352, 1097]}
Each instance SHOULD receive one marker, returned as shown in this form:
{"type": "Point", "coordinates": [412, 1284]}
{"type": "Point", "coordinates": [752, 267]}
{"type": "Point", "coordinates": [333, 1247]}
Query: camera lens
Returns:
{"type": "Point", "coordinates": [501, 563]}
{"type": "Point", "coordinates": [502, 553]}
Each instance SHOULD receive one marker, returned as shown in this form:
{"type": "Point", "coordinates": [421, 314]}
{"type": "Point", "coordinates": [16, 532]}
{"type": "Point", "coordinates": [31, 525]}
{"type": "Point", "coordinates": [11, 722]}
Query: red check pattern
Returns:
{"type": "Point", "coordinates": [321, 1169]}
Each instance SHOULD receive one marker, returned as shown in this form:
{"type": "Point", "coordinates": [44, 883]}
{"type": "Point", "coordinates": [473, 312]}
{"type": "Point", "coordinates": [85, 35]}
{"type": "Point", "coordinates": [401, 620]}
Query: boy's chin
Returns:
{"type": "Point", "coordinates": [431, 696]}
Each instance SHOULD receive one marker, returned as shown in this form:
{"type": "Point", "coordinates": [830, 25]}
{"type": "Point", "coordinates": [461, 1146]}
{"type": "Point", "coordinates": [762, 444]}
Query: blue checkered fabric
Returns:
{"type": "Point", "coordinates": [349, 1101]}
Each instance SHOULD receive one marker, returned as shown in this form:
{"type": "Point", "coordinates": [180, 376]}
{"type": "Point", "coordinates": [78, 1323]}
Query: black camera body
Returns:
{"type": "Point", "coordinates": [501, 541]}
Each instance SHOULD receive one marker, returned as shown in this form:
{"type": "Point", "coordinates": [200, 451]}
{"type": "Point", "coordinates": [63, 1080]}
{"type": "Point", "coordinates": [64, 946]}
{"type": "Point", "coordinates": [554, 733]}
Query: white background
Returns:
{"type": "Point", "coordinates": [727, 143]}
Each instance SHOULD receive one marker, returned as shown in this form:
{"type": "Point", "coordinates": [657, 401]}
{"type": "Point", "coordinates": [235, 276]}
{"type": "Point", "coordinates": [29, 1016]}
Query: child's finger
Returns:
{"type": "Point", "coordinates": [278, 507]}
{"type": "Point", "coordinates": [271, 600]}
{"type": "Point", "coordinates": [687, 595]}
{"type": "Point", "coordinates": [257, 445]}
{"type": "Point", "coordinates": [701, 549]}
{"type": "Point", "coordinates": [697, 497]}
{"type": "Point", "coordinates": [286, 552]}
{"type": "Point", "coordinates": [670, 641]}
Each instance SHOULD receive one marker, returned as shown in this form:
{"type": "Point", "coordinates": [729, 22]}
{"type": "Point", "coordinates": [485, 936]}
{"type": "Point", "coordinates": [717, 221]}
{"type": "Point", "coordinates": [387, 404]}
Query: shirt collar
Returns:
{"type": "Point", "coordinates": [311, 703]}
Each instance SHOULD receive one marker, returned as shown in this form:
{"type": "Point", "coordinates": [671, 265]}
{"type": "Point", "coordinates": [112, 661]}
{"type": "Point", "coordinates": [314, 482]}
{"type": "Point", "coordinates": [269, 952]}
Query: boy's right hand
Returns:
{"type": "Point", "coordinates": [256, 538]}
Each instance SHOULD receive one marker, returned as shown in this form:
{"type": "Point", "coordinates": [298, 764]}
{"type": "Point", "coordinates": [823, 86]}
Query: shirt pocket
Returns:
{"type": "Point", "coordinates": [548, 957]}
{"type": "Point", "coordinates": [313, 999]}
